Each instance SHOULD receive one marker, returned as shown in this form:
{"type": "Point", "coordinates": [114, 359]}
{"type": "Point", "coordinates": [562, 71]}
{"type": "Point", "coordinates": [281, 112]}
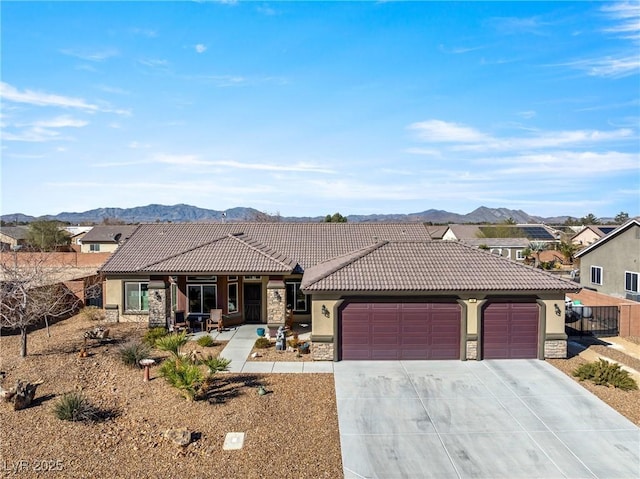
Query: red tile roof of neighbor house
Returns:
{"type": "Point", "coordinates": [444, 266]}
{"type": "Point", "coordinates": [261, 246]}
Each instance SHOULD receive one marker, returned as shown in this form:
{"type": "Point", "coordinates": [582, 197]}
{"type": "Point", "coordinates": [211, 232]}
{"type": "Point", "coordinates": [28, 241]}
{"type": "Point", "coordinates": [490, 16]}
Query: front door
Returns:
{"type": "Point", "coordinates": [253, 302]}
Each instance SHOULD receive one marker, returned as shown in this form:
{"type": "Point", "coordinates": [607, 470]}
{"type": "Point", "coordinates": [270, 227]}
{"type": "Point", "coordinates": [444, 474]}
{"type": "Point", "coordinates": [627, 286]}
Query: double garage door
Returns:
{"type": "Point", "coordinates": [422, 330]}
{"type": "Point", "coordinates": [403, 330]}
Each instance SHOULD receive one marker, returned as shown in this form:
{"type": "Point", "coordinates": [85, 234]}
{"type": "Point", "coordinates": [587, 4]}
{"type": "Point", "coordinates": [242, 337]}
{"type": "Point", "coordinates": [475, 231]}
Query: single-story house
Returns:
{"type": "Point", "coordinates": [13, 237]}
{"type": "Point", "coordinates": [611, 265]}
{"type": "Point", "coordinates": [589, 234]}
{"type": "Point", "coordinates": [370, 291]}
{"type": "Point", "coordinates": [105, 238]}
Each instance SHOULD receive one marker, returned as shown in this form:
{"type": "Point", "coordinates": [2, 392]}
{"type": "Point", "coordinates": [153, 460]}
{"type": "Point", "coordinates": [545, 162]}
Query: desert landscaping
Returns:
{"type": "Point", "coordinates": [291, 431]}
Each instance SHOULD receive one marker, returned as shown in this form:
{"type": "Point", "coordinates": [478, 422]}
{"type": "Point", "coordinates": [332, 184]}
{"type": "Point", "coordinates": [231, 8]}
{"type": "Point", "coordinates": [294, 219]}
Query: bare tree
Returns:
{"type": "Point", "coordinates": [32, 291]}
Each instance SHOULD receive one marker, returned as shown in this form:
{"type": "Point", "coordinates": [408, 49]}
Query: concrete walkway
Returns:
{"type": "Point", "coordinates": [240, 343]}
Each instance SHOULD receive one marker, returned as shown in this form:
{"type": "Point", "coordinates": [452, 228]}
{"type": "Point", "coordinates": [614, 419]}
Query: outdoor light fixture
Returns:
{"type": "Point", "coordinates": [325, 311]}
{"type": "Point", "coordinates": [557, 308]}
{"type": "Point", "coordinates": [277, 295]}
{"type": "Point", "coordinates": [158, 297]}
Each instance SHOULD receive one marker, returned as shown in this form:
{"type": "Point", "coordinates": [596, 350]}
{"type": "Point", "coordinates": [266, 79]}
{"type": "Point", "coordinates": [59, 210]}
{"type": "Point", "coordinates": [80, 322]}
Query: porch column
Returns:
{"type": "Point", "coordinates": [276, 308]}
{"type": "Point", "coordinates": [159, 303]}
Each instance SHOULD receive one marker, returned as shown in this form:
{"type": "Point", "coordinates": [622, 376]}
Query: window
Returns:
{"type": "Point", "coordinates": [631, 282]}
{"type": "Point", "coordinates": [202, 298]}
{"type": "Point", "coordinates": [253, 278]}
{"type": "Point", "coordinates": [296, 300]}
{"type": "Point", "coordinates": [596, 275]}
{"type": "Point", "coordinates": [519, 255]}
{"type": "Point", "coordinates": [203, 279]}
{"type": "Point", "coordinates": [136, 296]}
{"type": "Point", "coordinates": [233, 297]}
{"type": "Point", "coordinates": [94, 247]}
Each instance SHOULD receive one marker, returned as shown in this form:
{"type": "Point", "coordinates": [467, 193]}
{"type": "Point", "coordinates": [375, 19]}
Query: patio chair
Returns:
{"type": "Point", "coordinates": [215, 320]}
{"type": "Point", "coordinates": [180, 322]}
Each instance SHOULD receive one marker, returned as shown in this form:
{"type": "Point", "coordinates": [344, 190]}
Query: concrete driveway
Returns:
{"type": "Point", "coordinates": [480, 419]}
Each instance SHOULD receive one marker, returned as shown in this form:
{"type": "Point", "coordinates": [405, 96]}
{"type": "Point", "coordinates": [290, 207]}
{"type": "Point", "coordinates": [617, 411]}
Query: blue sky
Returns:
{"type": "Point", "coordinates": [312, 108]}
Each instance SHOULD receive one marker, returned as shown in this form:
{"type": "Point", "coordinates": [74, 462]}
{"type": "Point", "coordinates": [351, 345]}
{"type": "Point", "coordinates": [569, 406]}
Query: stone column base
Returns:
{"type": "Point", "coordinates": [322, 348]}
{"type": "Point", "coordinates": [555, 349]}
{"type": "Point", "coordinates": [472, 349]}
{"type": "Point", "coordinates": [111, 313]}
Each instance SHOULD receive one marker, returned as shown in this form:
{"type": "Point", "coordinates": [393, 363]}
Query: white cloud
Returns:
{"type": "Point", "coordinates": [10, 93]}
{"type": "Point", "coordinates": [61, 122]}
{"type": "Point", "coordinates": [135, 145]}
{"type": "Point", "coordinates": [439, 131]}
{"type": "Point", "coordinates": [469, 139]}
{"type": "Point", "coordinates": [92, 56]}
{"type": "Point", "coordinates": [527, 114]}
{"type": "Point", "coordinates": [200, 48]}
{"type": "Point", "coordinates": [153, 62]}
{"type": "Point", "coordinates": [608, 67]}
{"type": "Point", "coordinates": [146, 32]}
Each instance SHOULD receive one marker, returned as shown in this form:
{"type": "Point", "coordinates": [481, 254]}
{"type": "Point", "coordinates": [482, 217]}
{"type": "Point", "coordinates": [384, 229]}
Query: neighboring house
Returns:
{"type": "Point", "coordinates": [508, 245]}
{"type": "Point", "coordinates": [611, 265]}
{"type": "Point", "coordinates": [592, 233]}
{"type": "Point", "coordinates": [76, 233]}
{"type": "Point", "coordinates": [511, 248]}
{"type": "Point", "coordinates": [105, 238]}
{"type": "Point", "coordinates": [12, 237]}
{"type": "Point", "coordinates": [370, 291]}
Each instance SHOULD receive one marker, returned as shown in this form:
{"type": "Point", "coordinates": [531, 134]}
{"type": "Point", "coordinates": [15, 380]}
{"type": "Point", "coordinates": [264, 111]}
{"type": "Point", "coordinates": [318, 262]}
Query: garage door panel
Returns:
{"type": "Point", "coordinates": [510, 331]}
{"type": "Point", "coordinates": [409, 330]}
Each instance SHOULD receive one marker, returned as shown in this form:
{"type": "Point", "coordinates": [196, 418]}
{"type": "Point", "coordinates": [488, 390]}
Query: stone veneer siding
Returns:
{"type": "Point", "coordinates": [276, 309]}
{"type": "Point", "coordinates": [472, 349]}
{"type": "Point", "coordinates": [555, 349]}
{"type": "Point", "coordinates": [159, 304]}
{"type": "Point", "coordinates": [322, 351]}
{"type": "Point", "coordinates": [111, 313]}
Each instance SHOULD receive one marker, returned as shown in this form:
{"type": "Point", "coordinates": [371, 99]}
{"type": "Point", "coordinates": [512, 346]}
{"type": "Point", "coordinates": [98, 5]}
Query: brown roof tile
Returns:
{"type": "Point", "coordinates": [190, 247]}
{"type": "Point", "coordinates": [445, 266]}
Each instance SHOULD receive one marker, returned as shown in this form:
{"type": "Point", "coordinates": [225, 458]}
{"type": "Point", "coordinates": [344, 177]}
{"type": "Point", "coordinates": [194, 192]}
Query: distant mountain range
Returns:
{"type": "Point", "coordinates": [186, 213]}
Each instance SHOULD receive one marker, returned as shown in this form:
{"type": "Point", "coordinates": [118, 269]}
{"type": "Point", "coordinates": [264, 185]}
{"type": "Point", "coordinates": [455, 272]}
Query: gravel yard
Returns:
{"type": "Point", "coordinates": [292, 431]}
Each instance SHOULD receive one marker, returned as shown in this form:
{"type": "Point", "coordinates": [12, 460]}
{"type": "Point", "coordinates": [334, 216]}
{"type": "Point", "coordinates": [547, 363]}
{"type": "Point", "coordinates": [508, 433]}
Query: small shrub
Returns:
{"type": "Point", "coordinates": [74, 406]}
{"type": "Point", "coordinates": [172, 343]}
{"type": "Point", "coordinates": [132, 352]}
{"type": "Point", "coordinates": [294, 342]}
{"type": "Point", "coordinates": [262, 343]}
{"type": "Point", "coordinates": [92, 313]}
{"type": "Point", "coordinates": [153, 334]}
{"type": "Point", "coordinates": [206, 341]}
{"type": "Point", "coordinates": [605, 373]}
{"type": "Point", "coordinates": [215, 364]}
{"type": "Point", "coordinates": [182, 375]}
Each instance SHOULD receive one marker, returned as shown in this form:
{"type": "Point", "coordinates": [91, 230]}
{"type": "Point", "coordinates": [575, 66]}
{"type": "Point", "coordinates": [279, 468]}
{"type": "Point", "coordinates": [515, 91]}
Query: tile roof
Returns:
{"type": "Point", "coordinates": [15, 232]}
{"type": "Point", "coordinates": [190, 247]}
{"type": "Point", "coordinates": [234, 253]}
{"type": "Point", "coordinates": [498, 242]}
{"type": "Point", "coordinates": [108, 233]}
{"type": "Point", "coordinates": [443, 266]}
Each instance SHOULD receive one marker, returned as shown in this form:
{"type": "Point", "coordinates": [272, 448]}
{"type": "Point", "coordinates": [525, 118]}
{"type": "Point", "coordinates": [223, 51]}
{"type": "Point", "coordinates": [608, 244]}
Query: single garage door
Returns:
{"type": "Point", "coordinates": [510, 331]}
{"type": "Point", "coordinates": [400, 331]}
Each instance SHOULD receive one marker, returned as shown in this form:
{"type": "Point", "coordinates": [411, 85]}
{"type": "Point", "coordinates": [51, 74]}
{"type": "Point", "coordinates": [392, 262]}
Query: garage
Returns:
{"type": "Point", "coordinates": [510, 331]}
{"type": "Point", "coordinates": [400, 330]}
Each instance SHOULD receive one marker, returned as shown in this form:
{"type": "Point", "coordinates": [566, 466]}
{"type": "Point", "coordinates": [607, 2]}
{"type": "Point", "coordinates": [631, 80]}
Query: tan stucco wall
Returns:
{"type": "Point", "coordinates": [554, 322]}
{"type": "Point", "coordinates": [104, 248]}
{"type": "Point", "coordinates": [322, 325]}
{"type": "Point", "coordinates": [620, 254]}
{"type": "Point", "coordinates": [113, 289]}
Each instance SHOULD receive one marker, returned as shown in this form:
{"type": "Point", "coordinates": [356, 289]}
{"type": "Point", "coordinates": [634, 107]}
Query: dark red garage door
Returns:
{"type": "Point", "coordinates": [400, 331]}
{"type": "Point", "coordinates": [510, 331]}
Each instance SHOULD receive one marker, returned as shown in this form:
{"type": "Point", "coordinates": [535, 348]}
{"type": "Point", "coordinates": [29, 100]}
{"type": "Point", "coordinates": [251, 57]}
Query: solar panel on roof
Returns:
{"type": "Point", "coordinates": [607, 229]}
{"type": "Point", "coordinates": [537, 232]}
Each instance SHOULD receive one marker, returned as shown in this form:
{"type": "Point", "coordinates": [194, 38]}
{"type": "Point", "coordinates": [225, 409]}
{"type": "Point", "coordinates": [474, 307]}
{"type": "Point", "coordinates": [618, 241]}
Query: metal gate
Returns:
{"type": "Point", "coordinates": [598, 321]}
